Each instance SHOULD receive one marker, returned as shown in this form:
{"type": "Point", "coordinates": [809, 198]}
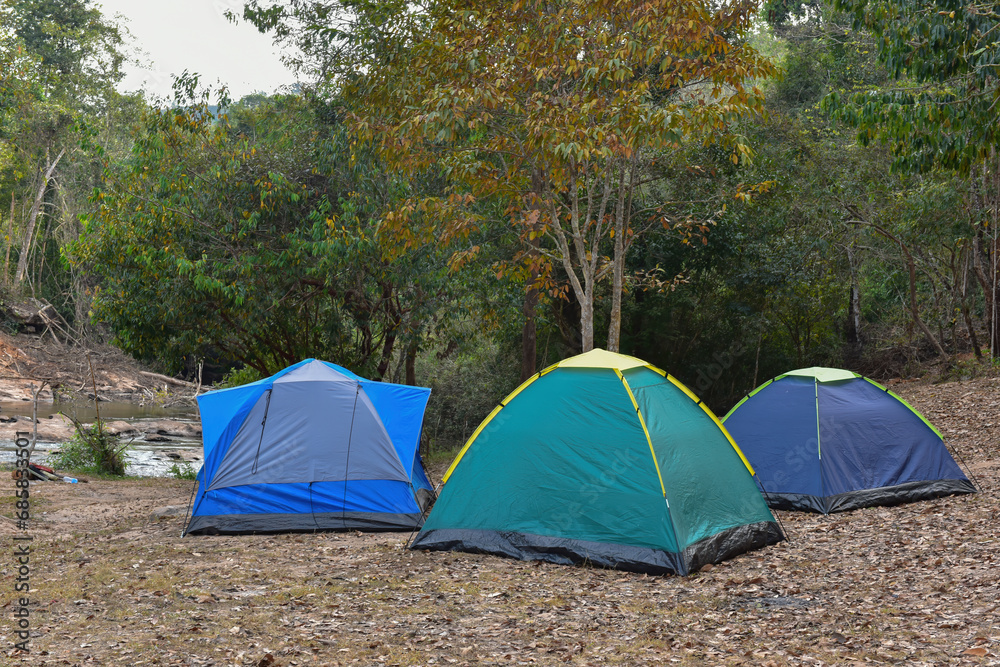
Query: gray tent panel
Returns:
{"type": "Point", "coordinates": [303, 431]}
{"type": "Point", "coordinates": [315, 371]}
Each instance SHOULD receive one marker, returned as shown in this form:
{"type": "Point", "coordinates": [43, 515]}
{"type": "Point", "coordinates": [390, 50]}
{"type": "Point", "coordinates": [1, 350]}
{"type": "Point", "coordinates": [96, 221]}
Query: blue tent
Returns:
{"type": "Point", "coordinates": [828, 440]}
{"type": "Point", "coordinates": [314, 447]}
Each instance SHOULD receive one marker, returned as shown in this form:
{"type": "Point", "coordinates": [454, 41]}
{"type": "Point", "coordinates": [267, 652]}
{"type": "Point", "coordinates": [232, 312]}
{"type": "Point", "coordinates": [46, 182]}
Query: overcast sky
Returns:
{"type": "Point", "coordinates": [195, 35]}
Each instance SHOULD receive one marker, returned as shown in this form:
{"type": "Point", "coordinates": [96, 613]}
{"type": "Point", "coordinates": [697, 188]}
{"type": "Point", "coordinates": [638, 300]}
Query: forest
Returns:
{"type": "Point", "coordinates": [466, 192]}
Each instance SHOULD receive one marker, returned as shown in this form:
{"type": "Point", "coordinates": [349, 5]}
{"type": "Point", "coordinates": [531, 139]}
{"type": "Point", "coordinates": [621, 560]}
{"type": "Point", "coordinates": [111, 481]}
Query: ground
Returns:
{"type": "Point", "coordinates": [916, 585]}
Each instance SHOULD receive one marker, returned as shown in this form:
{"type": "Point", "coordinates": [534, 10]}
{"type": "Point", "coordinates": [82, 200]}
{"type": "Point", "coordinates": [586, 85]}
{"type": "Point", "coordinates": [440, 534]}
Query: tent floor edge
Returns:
{"type": "Point", "coordinates": [566, 551]}
{"type": "Point", "coordinates": [732, 542]}
{"type": "Point", "coordinates": [898, 494]}
{"type": "Point", "coordinates": [241, 524]}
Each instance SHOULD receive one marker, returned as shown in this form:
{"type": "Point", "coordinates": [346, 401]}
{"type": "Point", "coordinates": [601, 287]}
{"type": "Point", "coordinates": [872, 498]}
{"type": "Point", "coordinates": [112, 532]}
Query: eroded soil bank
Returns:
{"type": "Point", "coordinates": [915, 585]}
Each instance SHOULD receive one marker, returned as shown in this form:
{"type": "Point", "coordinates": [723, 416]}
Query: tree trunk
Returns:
{"type": "Point", "coordinates": [978, 254]}
{"type": "Point", "coordinates": [411, 365]}
{"type": "Point", "coordinates": [623, 209]}
{"type": "Point", "coordinates": [912, 268]}
{"type": "Point", "coordinates": [617, 282]}
{"type": "Point", "coordinates": [587, 324]}
{"type": "Point", "coordinates": [913, 301]}
{"type": "Point", "coordinates": [987, 206]}
{"type": "Point", "coordinates": [964, 296]}
{"type": "Point", "coordinates": [22, 260]}
{"type": "Point", "coordinates": [10, 242]}
{"type": "Point", "coordinates": [529, 331]}
{"type": "Point", "coordinates": [583, 289]}
{"type": "Point", "coordinates": [853, 311]}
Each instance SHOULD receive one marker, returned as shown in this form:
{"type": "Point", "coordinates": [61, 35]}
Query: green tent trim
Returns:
{"type": "Point", "coordinates": [823, 374]}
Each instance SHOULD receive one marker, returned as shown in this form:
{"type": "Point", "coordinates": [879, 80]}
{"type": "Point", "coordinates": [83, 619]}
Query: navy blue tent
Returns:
{"type": "Point", "coordinates": [314, 447]}
{"type": "Point", "coordinates": [828, 440]}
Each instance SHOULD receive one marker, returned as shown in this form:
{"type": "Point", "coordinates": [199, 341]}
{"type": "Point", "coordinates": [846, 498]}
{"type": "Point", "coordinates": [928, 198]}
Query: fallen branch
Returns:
{"type": "Point", "coordinates": [168, 379]}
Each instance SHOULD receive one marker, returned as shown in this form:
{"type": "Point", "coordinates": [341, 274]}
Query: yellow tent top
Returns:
{"type": "Point", "coordinates": [598, 358]}
{"type": "Point", "coordinates": [823, 374]}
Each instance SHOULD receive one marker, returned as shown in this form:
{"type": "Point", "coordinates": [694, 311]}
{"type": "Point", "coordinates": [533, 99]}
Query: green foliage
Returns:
{"type": "Point", "coordinates": [237, 377]}
{"type": "Point", "coordinates": [71, 40]}
{"type": "Point", "coordinates": [552, 124]}
{"type": "Point", "coordinates": [466, 384]}
{"type": "Point", "coordinates": [253, 235]}
{"type": "Point", "coordinates": [59, 113]}
{"type": "Point", "coordinates": [185, 471]}
{"type": "Point", "coordinates": [945, 56]}
{"type": "Point", "coordinates": [93, 449]}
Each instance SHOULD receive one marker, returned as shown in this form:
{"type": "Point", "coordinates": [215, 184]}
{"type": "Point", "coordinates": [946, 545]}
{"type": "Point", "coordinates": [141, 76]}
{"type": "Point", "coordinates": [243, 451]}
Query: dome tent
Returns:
{"type": "Point", "coordinates": [601, 459]}
{"type": "Point", "coordinates": [313, 447]}
{"type": "Point", "coordinates": [829, 440]}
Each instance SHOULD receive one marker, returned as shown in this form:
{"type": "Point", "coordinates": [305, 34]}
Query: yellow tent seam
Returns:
{"type": "Point", "coordinates": [680, 385]}
{"type": "Point", "coordinates": [642, 422]}
{"type": "Point", "coordinates": [490, 417]}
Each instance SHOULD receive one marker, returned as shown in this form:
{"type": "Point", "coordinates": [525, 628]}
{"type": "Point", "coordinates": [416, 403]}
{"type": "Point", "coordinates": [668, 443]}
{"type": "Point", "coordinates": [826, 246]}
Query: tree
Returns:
{"type": "Point", "coordinates": [556, 110]}
{"type": "Point", "coordinates": [78, 49]}
{"type": "Point", "coordinates": [250, 238]}
{"type": "Point", "coordinates": [941, 113]}
{"type": "Point", "coordinates": [55, 104]}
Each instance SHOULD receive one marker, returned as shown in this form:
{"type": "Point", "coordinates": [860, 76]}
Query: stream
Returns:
{"type": "Point", "coordinates": [145, 458]}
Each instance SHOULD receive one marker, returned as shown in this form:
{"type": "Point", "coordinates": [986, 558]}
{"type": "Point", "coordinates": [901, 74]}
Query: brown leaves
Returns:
{"type": "Point", "coordinates": [914, 584]}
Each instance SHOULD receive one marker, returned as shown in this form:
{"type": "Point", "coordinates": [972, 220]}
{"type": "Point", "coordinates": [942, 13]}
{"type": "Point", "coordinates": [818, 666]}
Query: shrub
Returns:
{"type": "Point", "coordinates": [238, 377]}
{"type": "Point", "coordinates": [185, 471]}
{"type": "Point", "coordinates": [93, 449]}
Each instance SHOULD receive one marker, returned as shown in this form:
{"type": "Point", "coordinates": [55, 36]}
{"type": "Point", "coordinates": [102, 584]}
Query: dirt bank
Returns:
{"type": "Point", "coordinates": [914, 585]}
{"type": "Point", "coordinates": [31, 364]}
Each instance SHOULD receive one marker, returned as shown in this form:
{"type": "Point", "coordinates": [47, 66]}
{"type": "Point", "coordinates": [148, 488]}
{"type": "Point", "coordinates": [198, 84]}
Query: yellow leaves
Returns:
{"type": "Point", "coordinates": [746, 192]}
{"type": "Point", "coordinates": [459, 259]}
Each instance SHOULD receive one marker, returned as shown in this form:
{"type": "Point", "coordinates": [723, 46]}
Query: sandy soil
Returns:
{"type": "Point", "coordinates": [916, 585]}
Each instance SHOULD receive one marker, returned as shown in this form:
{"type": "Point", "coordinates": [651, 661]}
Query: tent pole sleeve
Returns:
{"type": "Point", "coordinates": [680, 385]}
{"type": "Point", "coordinates": [490, 417]}
{"type": "Point", "coordinates": [347, 460]}
{"type": "Point", "coordinates": [263, 422]}
{"type": "Point", "coordinates": [649, 440]}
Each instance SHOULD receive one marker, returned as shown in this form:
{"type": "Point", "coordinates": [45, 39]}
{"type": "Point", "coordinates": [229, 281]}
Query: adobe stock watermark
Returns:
{"type": "Point", "coordinates": [708, 375]}
{"type": "Point", "coordinates": [22, 545]}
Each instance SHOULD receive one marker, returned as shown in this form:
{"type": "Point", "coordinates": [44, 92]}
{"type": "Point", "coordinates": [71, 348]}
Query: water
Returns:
{"type": "Point", "coordinates": [145, 458]}
{"type": "Point", "coordinates": [86, 413]}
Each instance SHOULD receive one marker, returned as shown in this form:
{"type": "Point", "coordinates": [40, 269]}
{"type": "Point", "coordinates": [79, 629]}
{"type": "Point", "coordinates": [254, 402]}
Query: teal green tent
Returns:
{"type": "Point", "coordinates": [601, 459]}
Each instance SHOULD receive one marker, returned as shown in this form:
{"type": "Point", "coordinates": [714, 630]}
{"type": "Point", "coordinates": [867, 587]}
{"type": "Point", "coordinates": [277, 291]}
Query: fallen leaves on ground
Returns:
{"type": "Point", "coordinates": [917, 584]}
